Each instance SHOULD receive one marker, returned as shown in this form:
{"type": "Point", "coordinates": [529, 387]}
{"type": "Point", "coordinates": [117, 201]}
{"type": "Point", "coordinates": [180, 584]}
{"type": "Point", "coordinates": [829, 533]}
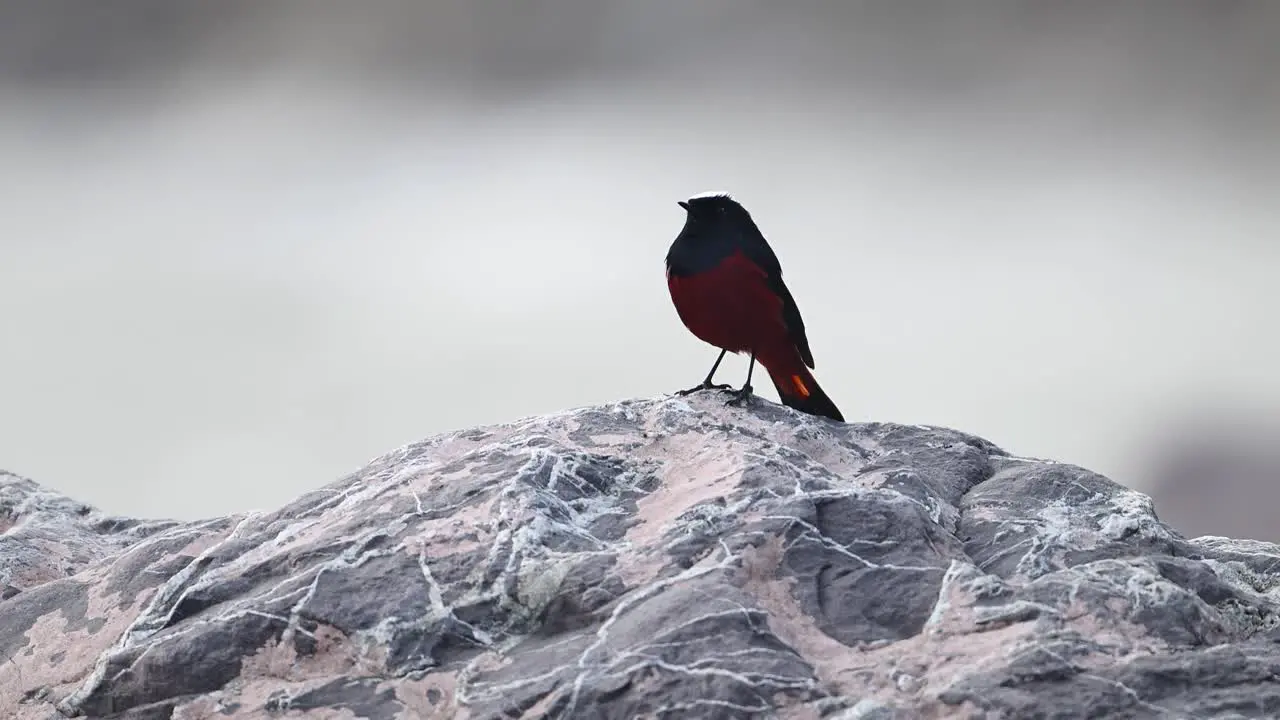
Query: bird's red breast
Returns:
{"type": "Point", "coordinates": [730, 305]}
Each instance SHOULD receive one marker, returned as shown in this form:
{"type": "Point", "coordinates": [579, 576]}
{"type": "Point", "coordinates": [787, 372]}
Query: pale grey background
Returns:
{"type": "Point", "coordinates": [248, 246]}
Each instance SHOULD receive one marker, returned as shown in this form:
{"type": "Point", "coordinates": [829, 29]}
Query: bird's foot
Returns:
{"type": "Point", "coordinates": [740, 397]}
{"type": "Point", "coordinates": [704, 386]}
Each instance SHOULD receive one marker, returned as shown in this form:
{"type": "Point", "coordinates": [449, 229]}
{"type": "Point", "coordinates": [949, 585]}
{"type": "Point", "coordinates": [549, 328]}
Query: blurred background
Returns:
{"type": "Point", "coordinates": [245, 247]}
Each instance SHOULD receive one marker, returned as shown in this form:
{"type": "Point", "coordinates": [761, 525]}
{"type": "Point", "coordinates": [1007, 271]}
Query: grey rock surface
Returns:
{"type": "Point", "coordinates": [665, 558]}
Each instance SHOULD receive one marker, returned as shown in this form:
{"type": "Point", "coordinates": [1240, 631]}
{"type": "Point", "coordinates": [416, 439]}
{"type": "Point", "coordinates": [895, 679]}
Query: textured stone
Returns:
{"type": "Point", "coordinates": [661, 558]}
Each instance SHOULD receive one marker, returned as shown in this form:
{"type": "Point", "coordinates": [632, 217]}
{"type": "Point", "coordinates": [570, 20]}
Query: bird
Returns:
{"type": "Point", "coordinates": [726, 285]}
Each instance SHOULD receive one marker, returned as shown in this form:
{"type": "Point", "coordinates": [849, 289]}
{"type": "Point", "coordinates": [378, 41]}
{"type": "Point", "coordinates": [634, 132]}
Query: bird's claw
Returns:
{"type": "Point", "coordinates": [704, 386]}
{"type": "Point", "coordinates": [740, 397]}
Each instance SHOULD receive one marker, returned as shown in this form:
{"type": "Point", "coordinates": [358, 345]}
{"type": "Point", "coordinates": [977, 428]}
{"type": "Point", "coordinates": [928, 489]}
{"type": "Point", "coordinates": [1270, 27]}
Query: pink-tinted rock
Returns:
{"type": "Point", "coordinates": [663, 558]}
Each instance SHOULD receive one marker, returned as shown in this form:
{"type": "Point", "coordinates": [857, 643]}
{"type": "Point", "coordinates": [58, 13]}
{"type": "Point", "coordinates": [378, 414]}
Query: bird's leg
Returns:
{"type": "Point", "coordinates": [706, 384]}
{"type": "Point", "coordinates": [743, 396]}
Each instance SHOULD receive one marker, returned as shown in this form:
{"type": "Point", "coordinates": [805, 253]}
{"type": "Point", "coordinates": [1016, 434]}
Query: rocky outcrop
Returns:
{"type": "Point", "coordinates": [664, 558]}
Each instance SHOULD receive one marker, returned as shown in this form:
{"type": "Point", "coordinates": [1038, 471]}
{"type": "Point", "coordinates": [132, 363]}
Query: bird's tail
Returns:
{"type": "Point", "coordinates": [798, 389]}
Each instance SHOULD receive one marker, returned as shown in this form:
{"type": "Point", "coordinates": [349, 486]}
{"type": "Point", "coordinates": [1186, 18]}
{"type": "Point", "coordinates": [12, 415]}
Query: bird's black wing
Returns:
{"type": "Point", "coordinates": [795, 324]}
{"type": "Point", "coordinates": [759, 252]}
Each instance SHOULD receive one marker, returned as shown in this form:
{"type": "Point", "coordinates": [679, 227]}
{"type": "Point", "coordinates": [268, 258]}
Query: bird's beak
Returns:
{"type": "Point", "coordinates": [683, 204]}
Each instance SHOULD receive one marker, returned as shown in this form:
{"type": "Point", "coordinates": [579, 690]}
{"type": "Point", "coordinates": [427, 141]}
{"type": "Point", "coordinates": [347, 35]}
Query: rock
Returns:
{"type": "Point", "coordinates": [663, 558]}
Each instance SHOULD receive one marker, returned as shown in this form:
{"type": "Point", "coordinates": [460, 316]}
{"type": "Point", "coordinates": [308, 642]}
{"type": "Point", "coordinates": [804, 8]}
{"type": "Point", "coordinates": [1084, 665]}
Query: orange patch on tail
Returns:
{"type": "Point", "coordinates": [798, 382]}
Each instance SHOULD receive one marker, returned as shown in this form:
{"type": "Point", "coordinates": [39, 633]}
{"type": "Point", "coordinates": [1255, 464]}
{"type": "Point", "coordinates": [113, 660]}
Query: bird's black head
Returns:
{"type": "Point", "coordinates": [711, 210]}
{"type": "Point", "coordinates": [715, 227]}
{"type": "Point", "coordinates": [716, 215]}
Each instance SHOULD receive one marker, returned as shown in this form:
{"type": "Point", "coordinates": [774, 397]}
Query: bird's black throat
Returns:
{"type": "Point", "coordinates": [696, 251]}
